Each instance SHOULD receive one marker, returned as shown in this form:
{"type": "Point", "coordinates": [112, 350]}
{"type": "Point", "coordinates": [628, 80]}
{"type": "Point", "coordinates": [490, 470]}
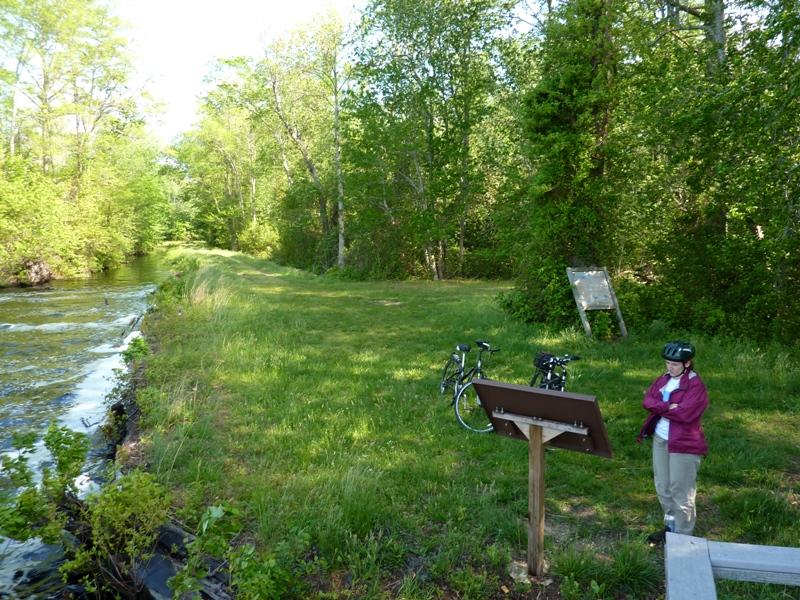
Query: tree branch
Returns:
{"type": "Point", "coordinates": [673, 32]}
{"type": "Point", "coordinates": [695, 12]}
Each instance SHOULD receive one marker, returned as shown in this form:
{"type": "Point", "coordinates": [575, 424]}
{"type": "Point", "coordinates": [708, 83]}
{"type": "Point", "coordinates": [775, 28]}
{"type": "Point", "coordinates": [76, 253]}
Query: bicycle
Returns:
{"type": "Point", "coordinates": [458, 378]}
{"type": "Point", "coordinates": [551, 371]}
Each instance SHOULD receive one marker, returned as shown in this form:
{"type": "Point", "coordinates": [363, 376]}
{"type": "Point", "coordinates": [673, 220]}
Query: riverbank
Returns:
{"type": "Point", "coordinates": [313, 405]}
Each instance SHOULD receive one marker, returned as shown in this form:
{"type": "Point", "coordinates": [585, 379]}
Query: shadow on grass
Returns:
{"type": "Point", "coordinates": [316, 403]}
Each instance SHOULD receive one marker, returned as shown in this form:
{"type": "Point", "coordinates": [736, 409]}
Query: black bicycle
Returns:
{"type": "Point", "coordinates": [551, 371]}
{"type": "Point", "coordinates": [458, 378]}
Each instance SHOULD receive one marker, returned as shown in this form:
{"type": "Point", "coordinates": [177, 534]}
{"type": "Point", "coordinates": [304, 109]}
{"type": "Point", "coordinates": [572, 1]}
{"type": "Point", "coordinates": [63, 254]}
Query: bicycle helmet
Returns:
{"type": "Point", "coordinates": [678, 351]}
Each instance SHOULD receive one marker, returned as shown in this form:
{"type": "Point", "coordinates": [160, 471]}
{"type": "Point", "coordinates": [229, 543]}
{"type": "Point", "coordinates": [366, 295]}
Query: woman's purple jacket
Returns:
{"type": "Point", "coordinates": [685, 433]}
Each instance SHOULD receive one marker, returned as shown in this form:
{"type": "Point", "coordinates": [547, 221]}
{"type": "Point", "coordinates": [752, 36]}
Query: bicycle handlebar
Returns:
{"type": "Point", "coordinates": [562, 360]}
{"type": "Point", "coordinates": [485, 346]}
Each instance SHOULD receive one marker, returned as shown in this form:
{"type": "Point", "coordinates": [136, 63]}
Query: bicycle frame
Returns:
{"type": "Point", "coordinates": [477, 369]}
{"type": "Point", "coordinates": [466, 403]}
{"type": "Point", "coordinates": [462, 376]}
{"type": "Point", "coordinates": [551, 372]}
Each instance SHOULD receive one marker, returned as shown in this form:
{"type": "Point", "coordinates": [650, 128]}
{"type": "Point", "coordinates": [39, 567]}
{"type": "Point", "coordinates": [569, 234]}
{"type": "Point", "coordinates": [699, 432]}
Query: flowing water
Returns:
{"type": "Point", "coordinates": [59, 346]}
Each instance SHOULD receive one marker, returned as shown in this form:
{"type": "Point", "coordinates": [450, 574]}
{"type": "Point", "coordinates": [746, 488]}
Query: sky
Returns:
{"type": "Point", "coordinates": [175, 41]}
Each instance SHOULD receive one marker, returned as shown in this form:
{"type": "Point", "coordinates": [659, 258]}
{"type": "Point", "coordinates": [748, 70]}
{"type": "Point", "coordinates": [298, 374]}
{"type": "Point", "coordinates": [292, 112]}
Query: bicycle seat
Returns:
{"type": "Point", "coordinates": [464, 347]}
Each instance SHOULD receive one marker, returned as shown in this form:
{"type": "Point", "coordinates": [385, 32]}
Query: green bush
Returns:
{"type": "Point", "coordinates": [543, 295]}
{"type": "Point", "coordinates": [124, 519]}
{"type": "Point", "coordinates": [254, 574]}
{"type": "Point", "coordinates": [137, 349]}
{"type": "Point", "coordinates": [258, 240]}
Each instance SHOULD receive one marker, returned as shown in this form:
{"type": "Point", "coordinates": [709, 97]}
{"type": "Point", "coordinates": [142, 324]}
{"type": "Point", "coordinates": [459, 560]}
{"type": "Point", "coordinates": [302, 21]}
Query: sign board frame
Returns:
{"type": "Point", "coordinates": [560, 419]}
{"type": "Point", "coordinates": [592, 290]}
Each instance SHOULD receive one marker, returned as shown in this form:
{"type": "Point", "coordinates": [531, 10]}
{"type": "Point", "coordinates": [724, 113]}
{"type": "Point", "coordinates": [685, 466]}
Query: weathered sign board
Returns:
{"type": "Point", "coordinates": [593, 291]}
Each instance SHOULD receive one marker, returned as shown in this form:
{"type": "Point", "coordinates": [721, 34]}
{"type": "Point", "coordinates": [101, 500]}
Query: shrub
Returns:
{"type": "Point", "coordinates": [124, 520]}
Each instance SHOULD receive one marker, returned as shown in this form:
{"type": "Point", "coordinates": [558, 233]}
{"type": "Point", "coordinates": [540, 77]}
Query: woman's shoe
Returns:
{"type": "Point", "coordinates": [659, 537]}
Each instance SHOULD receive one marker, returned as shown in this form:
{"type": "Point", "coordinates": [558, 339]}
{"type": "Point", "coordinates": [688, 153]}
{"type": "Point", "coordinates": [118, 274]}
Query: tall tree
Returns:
{"type": "Point", "coordinates": [424, 74]}
{"type": "Point", "coordinates": [294, 93]}
{"type": "Point", "coordinates": [67, 104]}
{"type": "Point", "coordinates": [571, 212]}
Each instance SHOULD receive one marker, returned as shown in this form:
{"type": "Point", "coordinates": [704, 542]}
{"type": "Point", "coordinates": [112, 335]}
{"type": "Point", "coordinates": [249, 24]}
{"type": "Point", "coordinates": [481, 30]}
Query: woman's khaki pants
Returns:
{"type": "Point", "coordinates": [675, 476]}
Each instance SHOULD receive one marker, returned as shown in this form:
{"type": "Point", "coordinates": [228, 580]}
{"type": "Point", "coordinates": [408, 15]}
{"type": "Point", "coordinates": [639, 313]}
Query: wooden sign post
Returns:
{"type": "Point", "coordinates": [535, 501]}
{"type": "Point", "coordinates": [542, 417]}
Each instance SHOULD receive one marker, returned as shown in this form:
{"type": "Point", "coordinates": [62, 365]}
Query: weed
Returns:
{"type": "Point", "coordinates": [124, 520]}
{"type": "Point", "coordinates": [632, 569]}
{"type": "Point", "coordinates": [138, 348]}
{"type": "Point", "coordinates": [254, 574]}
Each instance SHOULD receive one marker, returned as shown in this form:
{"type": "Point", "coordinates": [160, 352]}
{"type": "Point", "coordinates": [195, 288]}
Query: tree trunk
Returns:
{"type": "Point", "coordinates": [338, 164]}
{"type": "Point", "coordinates": [295, 136]}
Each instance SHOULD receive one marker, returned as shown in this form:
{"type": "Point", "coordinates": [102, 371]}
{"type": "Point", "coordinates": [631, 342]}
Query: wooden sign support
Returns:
{"type": "Point", "coordinates": [536, 453]}
{"type": "Point", "coordinates": [542, 417]}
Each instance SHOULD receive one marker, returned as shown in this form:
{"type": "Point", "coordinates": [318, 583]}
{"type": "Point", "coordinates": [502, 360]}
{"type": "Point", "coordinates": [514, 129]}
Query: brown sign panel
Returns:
{"type": "Point", "coordinates": [547, 405]}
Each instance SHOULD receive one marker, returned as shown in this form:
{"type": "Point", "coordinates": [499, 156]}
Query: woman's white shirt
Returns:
{"type": "Point", "coordinates": [662, 427]}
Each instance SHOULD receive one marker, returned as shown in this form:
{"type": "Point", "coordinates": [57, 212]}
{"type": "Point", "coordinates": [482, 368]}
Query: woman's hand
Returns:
{"type": "Point", "coordinates": [673, 406]}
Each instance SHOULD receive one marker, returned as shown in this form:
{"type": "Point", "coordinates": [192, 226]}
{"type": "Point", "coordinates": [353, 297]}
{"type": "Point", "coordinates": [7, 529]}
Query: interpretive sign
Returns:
{"type": "Point", "coordinates": [593, 291]}
{"type": "Point", "coordinates": [543, 417]}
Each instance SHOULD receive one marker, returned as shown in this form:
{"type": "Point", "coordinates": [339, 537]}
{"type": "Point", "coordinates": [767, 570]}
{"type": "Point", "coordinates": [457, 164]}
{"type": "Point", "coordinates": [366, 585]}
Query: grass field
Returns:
{"type": "Point", "coordinates": [315, 404]}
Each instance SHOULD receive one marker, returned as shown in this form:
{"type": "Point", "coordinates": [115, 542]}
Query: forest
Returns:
{"type": "Point", "coordinates": [478, 139]}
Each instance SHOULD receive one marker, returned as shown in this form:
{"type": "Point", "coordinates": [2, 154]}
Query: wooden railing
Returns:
{"type": "Point", "coordinates": [692, 564]}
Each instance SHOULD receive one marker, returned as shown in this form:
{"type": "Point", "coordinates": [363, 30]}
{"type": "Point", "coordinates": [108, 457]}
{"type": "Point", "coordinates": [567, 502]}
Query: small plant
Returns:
{"type": "Point", "coordinates": [42, 510]}
{"type": "Point", "coordinates": [253, 574]}
{"type": "Point", "coordinates": [604, 327]}
{"type": "Point", "coordinates": [570, 589]}
{"type": "Point", "coordinates": [124, 519]}
{"type": "Point", "coordinates": [632, 569]}
{"type": "Point", "coordinates": [597, 589]}
{"type": "Point", "coordinates": [577, 563]}
{"type": "Point", "coordinates": [138, 348]}
{"type": "Point", "coordinates": [121, 521]}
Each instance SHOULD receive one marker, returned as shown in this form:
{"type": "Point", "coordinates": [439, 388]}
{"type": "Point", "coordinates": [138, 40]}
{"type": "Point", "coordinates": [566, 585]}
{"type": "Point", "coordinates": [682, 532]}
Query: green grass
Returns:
{"type": "Point", "coordinates": [314, 404]}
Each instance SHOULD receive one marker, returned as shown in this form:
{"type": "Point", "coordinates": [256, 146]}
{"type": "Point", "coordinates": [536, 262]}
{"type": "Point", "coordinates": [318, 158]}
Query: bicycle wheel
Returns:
{"type": "Point", "coordinates": [535, 377]}
{"type": "Point", "coordinates": [449, 377]}
{"type": "Point", "coordinates": [469, 411]}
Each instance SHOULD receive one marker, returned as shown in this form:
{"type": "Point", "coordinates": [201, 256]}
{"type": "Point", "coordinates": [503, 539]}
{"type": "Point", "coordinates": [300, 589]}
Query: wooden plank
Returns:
{"type": "Point", "coordinates": [550, 428]}
{"type": "Point", "coordinates": [750, 562]}
{"type": "Point", "coordinates": [586, 327]}
{"type": "Point", "coordinates": [535, 502]}
{"type": "Point", "coordinates": [541, 422]}
{"type": "Point", "coordinates": [622, 328]}
{"type": "Point", "coordinates": [756, 576]}
{"type": "Point", "coordinates": [688, 569]}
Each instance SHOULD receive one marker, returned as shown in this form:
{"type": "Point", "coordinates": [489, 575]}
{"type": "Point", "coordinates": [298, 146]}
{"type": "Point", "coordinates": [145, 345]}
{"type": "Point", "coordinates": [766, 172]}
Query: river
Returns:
{"type": "Point", "coordinates": [59, 346]}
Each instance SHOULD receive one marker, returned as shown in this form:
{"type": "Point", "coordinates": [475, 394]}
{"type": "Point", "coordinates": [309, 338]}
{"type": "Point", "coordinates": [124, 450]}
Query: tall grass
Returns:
{"type": "Point", "coordinates": [314, 403]}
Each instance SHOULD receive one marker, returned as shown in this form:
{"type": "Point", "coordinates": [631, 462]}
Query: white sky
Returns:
{"type": "Point", "coordinates": [176, 41]}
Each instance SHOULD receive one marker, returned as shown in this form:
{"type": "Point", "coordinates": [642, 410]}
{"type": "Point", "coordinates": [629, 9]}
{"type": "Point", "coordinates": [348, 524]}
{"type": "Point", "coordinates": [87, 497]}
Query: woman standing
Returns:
{"type": "Point", "coordinates": [676, 402]}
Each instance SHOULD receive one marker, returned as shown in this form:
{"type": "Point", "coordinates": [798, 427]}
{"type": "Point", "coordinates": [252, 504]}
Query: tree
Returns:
{"type": "Point", "coordinates": [67, 106]}
{"type": "Point", "coordinates": [424, 73]}
{"type": "Point", "coordinates": [571, 210]}
{"type": "Point", "coordinates": [291, 98]}
{"type": "Point", "coordinates": [699, 104]}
